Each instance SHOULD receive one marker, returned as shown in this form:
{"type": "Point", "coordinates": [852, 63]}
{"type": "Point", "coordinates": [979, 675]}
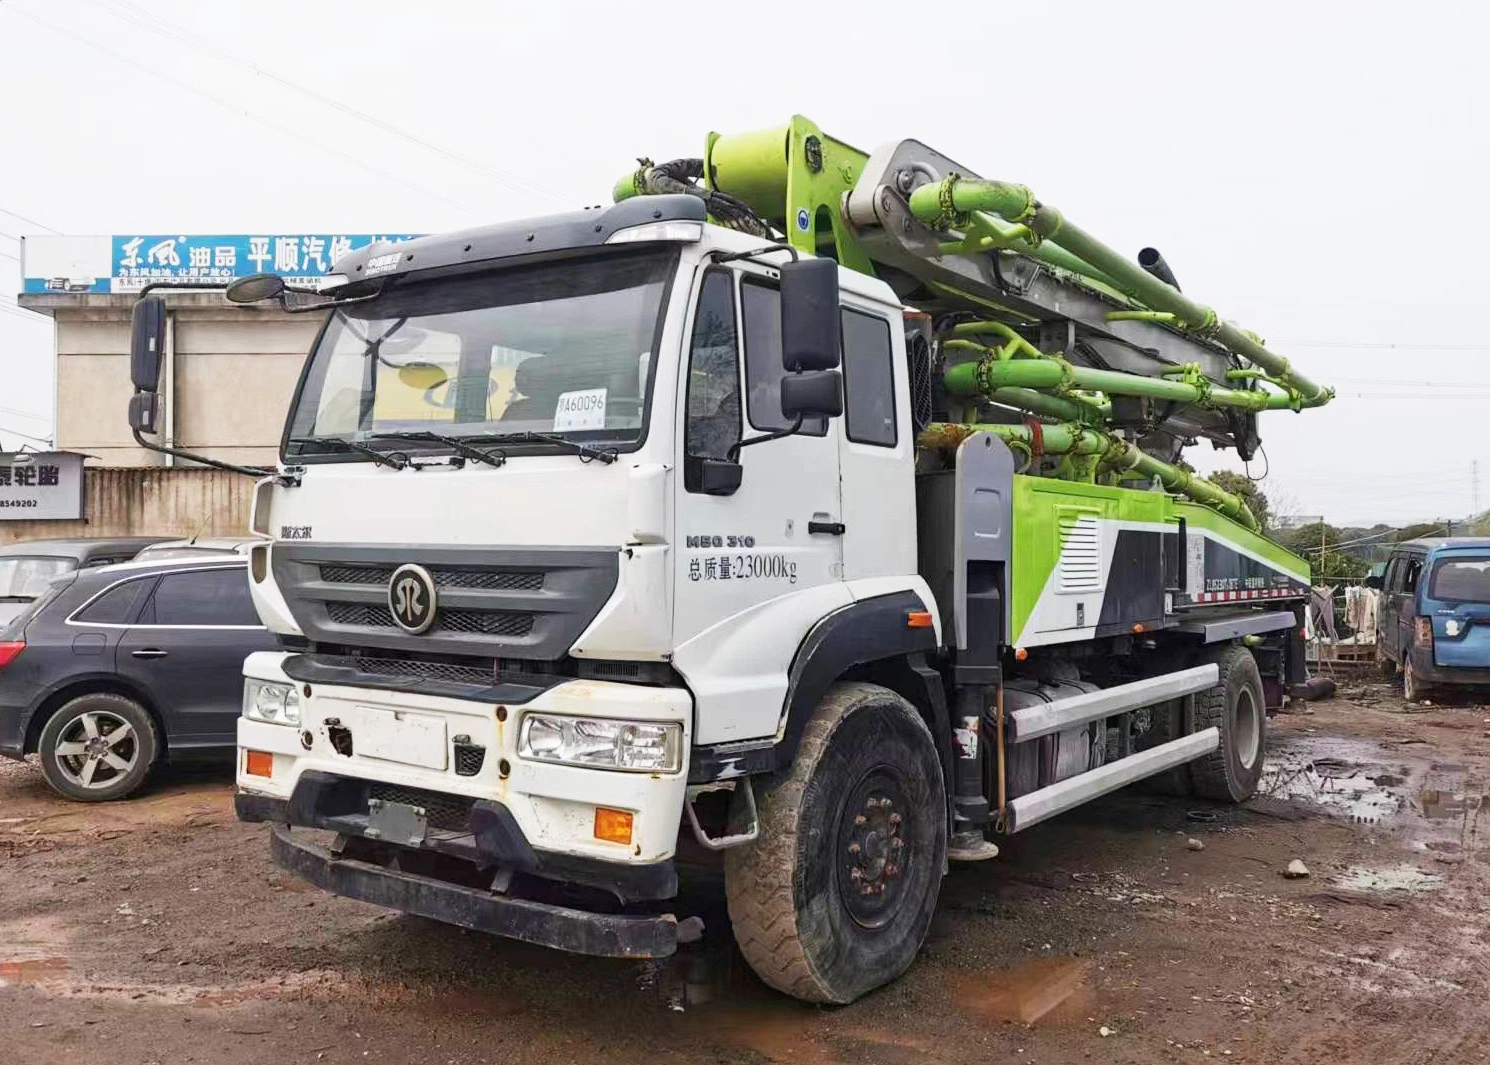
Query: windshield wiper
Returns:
{"type": "Point", "coordinates": [396, 459]}
{"type": "Point", "coordinates": [459, 446]}
{"type": "Point", "coordinates": [586, 452]}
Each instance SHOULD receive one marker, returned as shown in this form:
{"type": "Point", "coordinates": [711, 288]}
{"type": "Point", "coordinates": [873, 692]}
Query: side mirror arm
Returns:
{"type": "Point", "coordinates": [733, 454]}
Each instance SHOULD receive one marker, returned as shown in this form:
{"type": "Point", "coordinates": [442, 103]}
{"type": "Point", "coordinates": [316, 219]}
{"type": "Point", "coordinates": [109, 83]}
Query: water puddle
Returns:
{"type": "Point", "coordinates": [1364, 793]}
{"type": "Point", "coordinates": [1052, 989]}
{"type": "Point", "coordinates": [1405, 878]}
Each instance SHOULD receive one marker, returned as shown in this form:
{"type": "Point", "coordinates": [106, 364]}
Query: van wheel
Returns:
{"type": "Point", "coordinates": [835, 897]}
{"type": "Point", "coordinates": [1235, 706]}
{"type": "Point", "coordinates": [98, 747]}
{"type": "Point", "coordinates": [1413, 689]}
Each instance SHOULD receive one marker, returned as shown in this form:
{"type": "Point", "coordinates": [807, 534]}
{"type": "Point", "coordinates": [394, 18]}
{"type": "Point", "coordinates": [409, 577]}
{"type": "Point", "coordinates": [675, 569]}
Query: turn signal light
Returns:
{"type": "Point", "coordinates": [9, 649]}
{"type": "Point", "coordinates": [258, 763]}
{"type": "Point", "coordinates": [613, 826]}
{"type": "Point", "coordinates": [918, 619]}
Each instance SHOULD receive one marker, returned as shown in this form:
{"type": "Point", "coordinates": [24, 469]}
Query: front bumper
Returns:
{"type": "Point", "coordinates": [578, 931]}
{"type": "Point", "coordinates": [490, 838]}
{"type": "Point", "coordinates": [1430, 672]}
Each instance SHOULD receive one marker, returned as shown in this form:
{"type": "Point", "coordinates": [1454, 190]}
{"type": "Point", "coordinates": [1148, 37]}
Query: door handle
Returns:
{"type": "Point", "coordinates": [830, 528]}
{"type": "Point", "coordinates": [149, 652]}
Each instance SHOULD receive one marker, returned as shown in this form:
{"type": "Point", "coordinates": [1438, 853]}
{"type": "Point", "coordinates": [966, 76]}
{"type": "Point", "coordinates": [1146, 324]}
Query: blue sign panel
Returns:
{"type": "Point", "coordinates": [137, 259]}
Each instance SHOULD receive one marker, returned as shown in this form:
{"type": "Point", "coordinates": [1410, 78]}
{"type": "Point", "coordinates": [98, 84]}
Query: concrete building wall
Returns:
{"type": "Point", "coordinates": [147, 501]}
{"type": "Point", "coordinates": [229, 378]}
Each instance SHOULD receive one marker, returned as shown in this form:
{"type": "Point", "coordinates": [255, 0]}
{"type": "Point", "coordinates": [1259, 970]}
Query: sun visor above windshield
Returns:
{"type": "Point", "coordinates": [589, 228]}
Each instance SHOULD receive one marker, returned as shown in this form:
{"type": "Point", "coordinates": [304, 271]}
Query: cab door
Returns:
{"type": "Point", "coordinates": [780, 532]}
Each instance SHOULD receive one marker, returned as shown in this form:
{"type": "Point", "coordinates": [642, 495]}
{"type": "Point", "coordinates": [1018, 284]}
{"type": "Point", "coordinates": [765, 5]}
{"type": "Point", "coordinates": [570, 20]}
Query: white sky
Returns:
{"type": "Point", "coordinates": [1313, 169]}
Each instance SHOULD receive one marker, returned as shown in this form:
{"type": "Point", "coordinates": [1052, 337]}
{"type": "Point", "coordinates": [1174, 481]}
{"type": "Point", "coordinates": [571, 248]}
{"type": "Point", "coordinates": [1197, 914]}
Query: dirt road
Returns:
{"type": "Point", "coordinates": [158, 931]}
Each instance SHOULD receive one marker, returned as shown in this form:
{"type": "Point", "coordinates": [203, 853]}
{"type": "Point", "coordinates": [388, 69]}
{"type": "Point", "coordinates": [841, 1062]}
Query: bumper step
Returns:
{"type": "Point", "coordinates": [577, 931]}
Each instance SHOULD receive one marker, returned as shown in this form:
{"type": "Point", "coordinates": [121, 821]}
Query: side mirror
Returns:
{"type": "Point", "coordinates": [144, 411]}
{"type": "Point", "coordinates": [147, 343]}
{"type": "Point", "coordinates": [816, 393]}
{"type": "Point", "coordinates": [1372, 582]}
{"type": "Point", "coordinates": [809, 315]}
{"type": "Point", "coordinates": [255, 287]}
{"type": "Point", "coordinates": [712, 477]}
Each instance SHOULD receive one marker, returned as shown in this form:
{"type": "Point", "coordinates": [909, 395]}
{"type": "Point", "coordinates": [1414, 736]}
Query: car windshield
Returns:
{"type": "Point", "coordinates": [1462, 579]}
{"type": "Point", "coordinates": [563, 347]}
{"type": "Point", "coordinates": [24, 577]}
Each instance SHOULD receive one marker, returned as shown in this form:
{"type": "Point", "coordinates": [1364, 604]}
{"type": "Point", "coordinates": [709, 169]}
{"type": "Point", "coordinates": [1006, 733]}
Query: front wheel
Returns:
{"type": "Point", "coordinates": [835, 897]}
{"type": "Point", "coordinates": [98, 747]}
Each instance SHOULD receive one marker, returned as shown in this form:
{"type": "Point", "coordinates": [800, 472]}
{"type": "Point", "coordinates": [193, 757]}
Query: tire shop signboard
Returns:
{"type": "Point", "coordinates": [41, 486]}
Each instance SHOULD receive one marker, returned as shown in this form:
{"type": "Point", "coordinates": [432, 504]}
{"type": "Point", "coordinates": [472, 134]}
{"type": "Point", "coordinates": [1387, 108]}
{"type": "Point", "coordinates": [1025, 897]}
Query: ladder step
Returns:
{"type": "Point", "coordinates": [1035, 807]}
{"type": "Point", "coordinates": [1032, 722]}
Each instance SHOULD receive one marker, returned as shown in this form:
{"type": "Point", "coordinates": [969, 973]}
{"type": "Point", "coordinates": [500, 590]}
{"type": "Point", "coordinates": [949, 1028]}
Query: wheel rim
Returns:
{"type": "Point", "coordinates": [1247, 728]}
{"type": "Point", "coordinates": [96, 749]}
{"type": "Point", "coordinates": [874, 847]}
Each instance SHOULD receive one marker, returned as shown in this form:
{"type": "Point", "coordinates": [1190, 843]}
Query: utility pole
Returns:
{"type": "Point", "coordinates": [1474, 489]}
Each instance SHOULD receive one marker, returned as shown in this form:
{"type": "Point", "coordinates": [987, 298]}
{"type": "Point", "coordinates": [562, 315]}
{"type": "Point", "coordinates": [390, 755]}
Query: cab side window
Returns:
{"type": "Point", "coordinates": [713, 424]}
{"type": "Point", "coordinates": [760, 309]}
{"type": "Point", "coordinates": [868, 380]}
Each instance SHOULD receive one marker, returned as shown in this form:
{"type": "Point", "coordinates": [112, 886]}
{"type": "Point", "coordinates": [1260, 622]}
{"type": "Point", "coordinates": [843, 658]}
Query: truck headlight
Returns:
{"type": "Point", "coordinates": [276, 704]}
{"type": "Point", "coordinates": [599, 743]}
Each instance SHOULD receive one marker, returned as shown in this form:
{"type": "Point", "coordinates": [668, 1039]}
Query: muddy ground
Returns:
{"type": "Point", "coordinates": [157, 930]}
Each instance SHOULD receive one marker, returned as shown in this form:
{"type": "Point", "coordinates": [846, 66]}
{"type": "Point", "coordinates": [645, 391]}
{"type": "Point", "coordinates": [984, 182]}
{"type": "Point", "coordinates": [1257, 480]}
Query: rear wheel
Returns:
{"type": "Point", "coordinates": [1236, 707]}
{"type": "Point", "coordinates": [836, 896]}
{"type": "Point", "coordinates": [1384, 664]}
{"type": "Point", "coordinates": [1413, 689]}
{"type": "Point", "coordinates": [98, 747]}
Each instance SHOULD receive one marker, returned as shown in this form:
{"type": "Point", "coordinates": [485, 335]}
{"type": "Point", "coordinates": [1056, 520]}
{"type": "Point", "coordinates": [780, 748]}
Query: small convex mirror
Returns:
{"type": "Point", "coordinates": [256, 287]}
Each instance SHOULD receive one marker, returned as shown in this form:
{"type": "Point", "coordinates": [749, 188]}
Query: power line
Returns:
{"type": "Point", "coordinates": [28, 221]}
{"type": "Point", "coordinates": [228, 105]}
{"type": "Point", "coordinates": [25, 414]}
{"type": "Point", "coordinates": [1381, 345]}
{"type": "Point", "coordinates": [26, 436]}
{"type": "Point", "coordinates": [155, 24]}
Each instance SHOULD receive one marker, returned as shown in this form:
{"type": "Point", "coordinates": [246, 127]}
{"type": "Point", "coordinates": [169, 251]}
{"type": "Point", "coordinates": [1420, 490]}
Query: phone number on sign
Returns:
{"type": "Point", "coordinates": [17, 502]}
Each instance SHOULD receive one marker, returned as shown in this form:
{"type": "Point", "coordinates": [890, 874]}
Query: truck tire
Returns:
{"type": "Point", "coordinates": [836, 895]}
{"type": "Point", "coordinates": [1167, 722]}
{"type": "Point", "coordinates": [98, 747]}
{"type": "Point", "coordinates": [1236, 707]}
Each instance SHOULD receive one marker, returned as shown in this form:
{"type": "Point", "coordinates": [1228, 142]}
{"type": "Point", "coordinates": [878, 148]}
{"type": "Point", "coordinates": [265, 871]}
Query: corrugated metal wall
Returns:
{"type": "Point", "coordinates": [150, 501]}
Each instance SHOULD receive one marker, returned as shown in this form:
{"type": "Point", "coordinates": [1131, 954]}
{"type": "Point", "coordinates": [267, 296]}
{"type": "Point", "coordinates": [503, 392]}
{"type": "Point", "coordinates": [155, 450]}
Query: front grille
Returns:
{"type": "Point", "coordinates": [450, 813]}
{"type": "Point", "coordinates": [444, 577]}
{"type": "Point", "coordinates": [481, 622]}
{"type": "Point", "coordinates": [415, 667]}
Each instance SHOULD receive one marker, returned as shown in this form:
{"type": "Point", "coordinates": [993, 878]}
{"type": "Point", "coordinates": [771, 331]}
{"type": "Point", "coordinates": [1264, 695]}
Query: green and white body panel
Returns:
{"type": "Point", "coordinates": [1090, 561]}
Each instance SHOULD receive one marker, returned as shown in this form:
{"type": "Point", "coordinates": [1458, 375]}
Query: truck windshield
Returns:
{"type": "Point", "coordinates": [563, 348]}
{"type": "Point", "coordinates": [24, 577]}
{"type": "Point", "coordinates": [1463, 579]}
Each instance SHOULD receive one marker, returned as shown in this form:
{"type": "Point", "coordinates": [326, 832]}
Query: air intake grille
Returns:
{"type": "Point", "coordinates": [452, 813]}
{"type": "Point", "coordinates": [1081, 553]}
{"type": "Point", "coordinates": [481, 622]}
{"type": "Point", "coordinates": [445, 577]}
{"type": "Point", "coordinates": [468, 759]}
{"type": "Point", "coordinates": [414, 667]}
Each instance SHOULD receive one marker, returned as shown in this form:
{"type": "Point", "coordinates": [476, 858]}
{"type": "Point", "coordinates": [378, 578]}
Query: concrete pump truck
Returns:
{"type": "Point", "coordinates": [814, 510]}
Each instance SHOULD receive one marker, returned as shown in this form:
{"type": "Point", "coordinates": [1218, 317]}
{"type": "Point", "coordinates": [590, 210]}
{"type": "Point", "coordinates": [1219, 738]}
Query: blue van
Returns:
{"type": "Point", "coordinates": [1433, 624]}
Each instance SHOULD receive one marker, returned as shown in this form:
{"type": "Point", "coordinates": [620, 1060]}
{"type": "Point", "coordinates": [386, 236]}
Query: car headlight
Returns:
{"type": "Point", "coordinates": [276, 704]}
{"type": "Point", "coordinates": [598, 743]}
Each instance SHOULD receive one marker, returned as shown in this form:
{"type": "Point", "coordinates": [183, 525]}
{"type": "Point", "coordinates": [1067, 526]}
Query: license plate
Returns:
{"type": "Point", "coordinates": [398, 736]}
{"type": "Point", "coordinates": [396, 822]}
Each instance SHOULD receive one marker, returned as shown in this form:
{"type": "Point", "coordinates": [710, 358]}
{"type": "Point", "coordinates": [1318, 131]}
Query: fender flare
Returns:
{"type": "Point", "coordinates": [866, 633]}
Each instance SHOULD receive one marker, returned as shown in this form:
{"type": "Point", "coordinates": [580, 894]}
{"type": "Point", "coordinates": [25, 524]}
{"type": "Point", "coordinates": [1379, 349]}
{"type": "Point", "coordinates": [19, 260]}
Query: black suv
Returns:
{"type": "Point", "coordinates": [112, 669]}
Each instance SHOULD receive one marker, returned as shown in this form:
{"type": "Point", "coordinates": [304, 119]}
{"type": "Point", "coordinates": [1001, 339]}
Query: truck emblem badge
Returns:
{"type": "Point", "coordinates": [411, 598]}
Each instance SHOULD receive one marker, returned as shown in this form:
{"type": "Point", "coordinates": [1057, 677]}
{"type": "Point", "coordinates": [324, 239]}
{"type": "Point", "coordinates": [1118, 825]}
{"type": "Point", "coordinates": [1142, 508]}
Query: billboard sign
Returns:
{"type": "Point", "coordinates": [127, 262]}
{"type": "Point", "coordinates": [41, 486]}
